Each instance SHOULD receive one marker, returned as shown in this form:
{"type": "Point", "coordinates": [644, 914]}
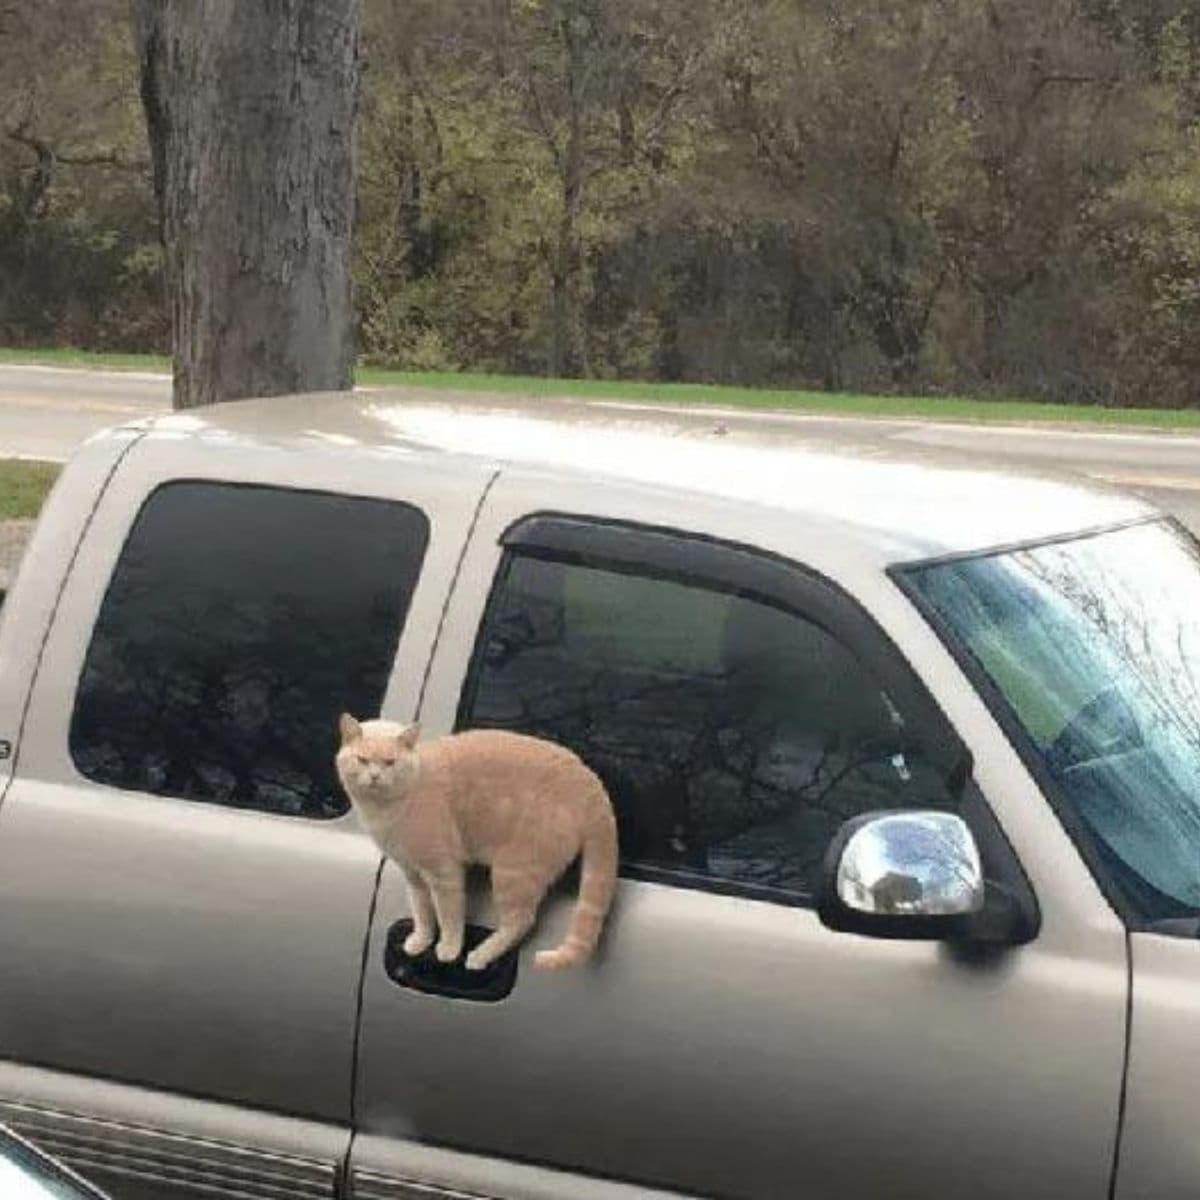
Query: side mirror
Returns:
{"type": "Point", "coordinates": [914, 875]}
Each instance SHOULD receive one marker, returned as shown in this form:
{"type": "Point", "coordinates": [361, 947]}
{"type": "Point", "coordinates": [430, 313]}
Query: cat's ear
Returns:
{"type": "Point", "coordinates": [408, 739]}
{"type": "Point", "coordinates": [349, 728]}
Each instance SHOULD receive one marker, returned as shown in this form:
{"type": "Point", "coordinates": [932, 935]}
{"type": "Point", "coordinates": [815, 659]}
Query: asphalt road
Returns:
{"type": "Point", "coordinates": [45, 412]}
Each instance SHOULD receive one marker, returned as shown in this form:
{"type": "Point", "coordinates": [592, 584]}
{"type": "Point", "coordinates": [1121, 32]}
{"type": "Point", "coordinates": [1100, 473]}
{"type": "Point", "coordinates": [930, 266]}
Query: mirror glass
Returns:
{"type": "Point", "coordinates": [911, 864]}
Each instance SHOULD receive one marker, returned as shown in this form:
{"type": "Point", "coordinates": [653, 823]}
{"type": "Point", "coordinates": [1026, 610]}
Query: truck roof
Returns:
{"type": "Point", "coordinates": [895, 501]}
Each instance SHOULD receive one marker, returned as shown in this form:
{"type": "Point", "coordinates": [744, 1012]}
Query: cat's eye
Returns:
{"type": "Point", "coordinates": [362, 762]}
{"type": "Point", "coordinates": [388, 762]}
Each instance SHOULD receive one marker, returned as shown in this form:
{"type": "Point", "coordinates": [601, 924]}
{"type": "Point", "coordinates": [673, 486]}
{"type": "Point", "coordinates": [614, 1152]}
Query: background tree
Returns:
{"type": "Point", "coordinates": [599, 85]}
{"type": "Point", "coordinates": [78, 259]}
{"type": "Point", "coordinates": [250, 113]}
{"type": "Point", "coordinates": [875, 195]}
{"type": "Point", "coordinates": [538, 129]}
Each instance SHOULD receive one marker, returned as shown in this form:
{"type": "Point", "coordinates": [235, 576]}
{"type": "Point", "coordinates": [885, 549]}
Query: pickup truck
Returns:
{"type": "Point", "coordinates": [905, 755]}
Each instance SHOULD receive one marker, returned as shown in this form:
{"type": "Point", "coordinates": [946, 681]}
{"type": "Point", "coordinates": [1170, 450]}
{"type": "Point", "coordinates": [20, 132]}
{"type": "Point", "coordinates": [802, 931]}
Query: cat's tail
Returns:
{"type": "Point", "coordinates": [597, 882]}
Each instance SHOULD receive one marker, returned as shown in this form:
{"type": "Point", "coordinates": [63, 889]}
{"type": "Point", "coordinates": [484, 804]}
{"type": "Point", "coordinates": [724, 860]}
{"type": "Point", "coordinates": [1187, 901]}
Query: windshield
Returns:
{"type": "Point", "coordinates": [1093, 645]}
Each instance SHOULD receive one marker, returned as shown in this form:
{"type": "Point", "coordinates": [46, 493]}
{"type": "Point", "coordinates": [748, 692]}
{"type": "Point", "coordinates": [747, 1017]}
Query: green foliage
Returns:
{"type": "Point", "coordinates": [939, 196]}
{"type": "Point", "coordinates": [79, 260]}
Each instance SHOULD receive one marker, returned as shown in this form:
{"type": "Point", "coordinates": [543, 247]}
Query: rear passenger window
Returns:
{"type": "Point", "coordinates": [239, 621]}
{"type": "Point", "coordinates": [734, 737]}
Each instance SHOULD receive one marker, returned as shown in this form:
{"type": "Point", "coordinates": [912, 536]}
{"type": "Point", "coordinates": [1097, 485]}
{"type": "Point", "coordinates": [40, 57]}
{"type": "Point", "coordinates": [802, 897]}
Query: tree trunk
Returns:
{"type": "Point", "coordinates": [566, 282]}
{"type": "Point", "coordinates": [567, 358]}
{"type": "Point", "coordinates": [250, 110]}
{"type": "Point", "coordinates": [994, 314]}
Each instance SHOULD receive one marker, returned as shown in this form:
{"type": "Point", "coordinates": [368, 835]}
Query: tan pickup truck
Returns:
{"type": "Point", "coordinates": [905, 755]}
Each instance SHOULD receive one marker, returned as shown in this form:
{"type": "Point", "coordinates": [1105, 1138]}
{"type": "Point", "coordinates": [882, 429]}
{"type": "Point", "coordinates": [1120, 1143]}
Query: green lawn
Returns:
{"type": "Point", "coordinates": [23, 486]}
{"type": "Point", "coordinates": [87, 358]}
{"type": "Point", "coordinates": [949, 408]}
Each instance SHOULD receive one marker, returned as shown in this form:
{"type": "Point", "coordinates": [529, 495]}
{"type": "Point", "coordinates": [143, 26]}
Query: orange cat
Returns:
{"type": "Point", "coordinates": [523, 806]}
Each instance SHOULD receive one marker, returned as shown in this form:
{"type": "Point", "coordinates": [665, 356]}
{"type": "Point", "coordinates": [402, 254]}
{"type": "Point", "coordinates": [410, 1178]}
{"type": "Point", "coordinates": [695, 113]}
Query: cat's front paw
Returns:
{"type": "Point", "coordinates": [418, 942]}
{"type": "Point", "coordinates": [448, 951]}
{"type": "Point", "coordinates": [477, 961]}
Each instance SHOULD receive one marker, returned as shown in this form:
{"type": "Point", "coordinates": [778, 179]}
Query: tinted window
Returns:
{"type": "Point", "coordinates": [734, 737]}
{"type": "Point", "coordinates": [238, 623]}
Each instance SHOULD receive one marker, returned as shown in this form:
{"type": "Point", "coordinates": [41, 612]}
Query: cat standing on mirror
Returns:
{"type": "Point", "coordinates": [523, 806]}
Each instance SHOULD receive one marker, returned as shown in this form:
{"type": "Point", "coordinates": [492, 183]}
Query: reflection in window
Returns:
{"type": "Point", "coordinates": [734, 737]}
{"type": "Point", "coordinates": [1094, 644]}
{"type": "Point", "coordinates": [238, 623]}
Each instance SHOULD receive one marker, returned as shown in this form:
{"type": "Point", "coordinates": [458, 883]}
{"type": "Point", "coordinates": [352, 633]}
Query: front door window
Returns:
{"type": "Point", "coordinates": [734, 736]}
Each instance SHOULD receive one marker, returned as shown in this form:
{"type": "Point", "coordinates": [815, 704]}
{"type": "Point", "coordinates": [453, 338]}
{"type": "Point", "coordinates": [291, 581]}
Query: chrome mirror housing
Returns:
{"type": "Point", "coordinates": [904, 874]}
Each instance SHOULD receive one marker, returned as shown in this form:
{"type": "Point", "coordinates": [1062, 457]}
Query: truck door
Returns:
{"type": "Point", "coordinates": [183, 897]}
{"type": "Point", "coordinates": [724, 1042]}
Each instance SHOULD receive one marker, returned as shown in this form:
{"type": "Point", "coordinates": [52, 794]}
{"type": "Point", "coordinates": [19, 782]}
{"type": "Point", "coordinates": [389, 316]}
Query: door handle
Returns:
{"type": "Point", "coordinates": [423, 972]}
